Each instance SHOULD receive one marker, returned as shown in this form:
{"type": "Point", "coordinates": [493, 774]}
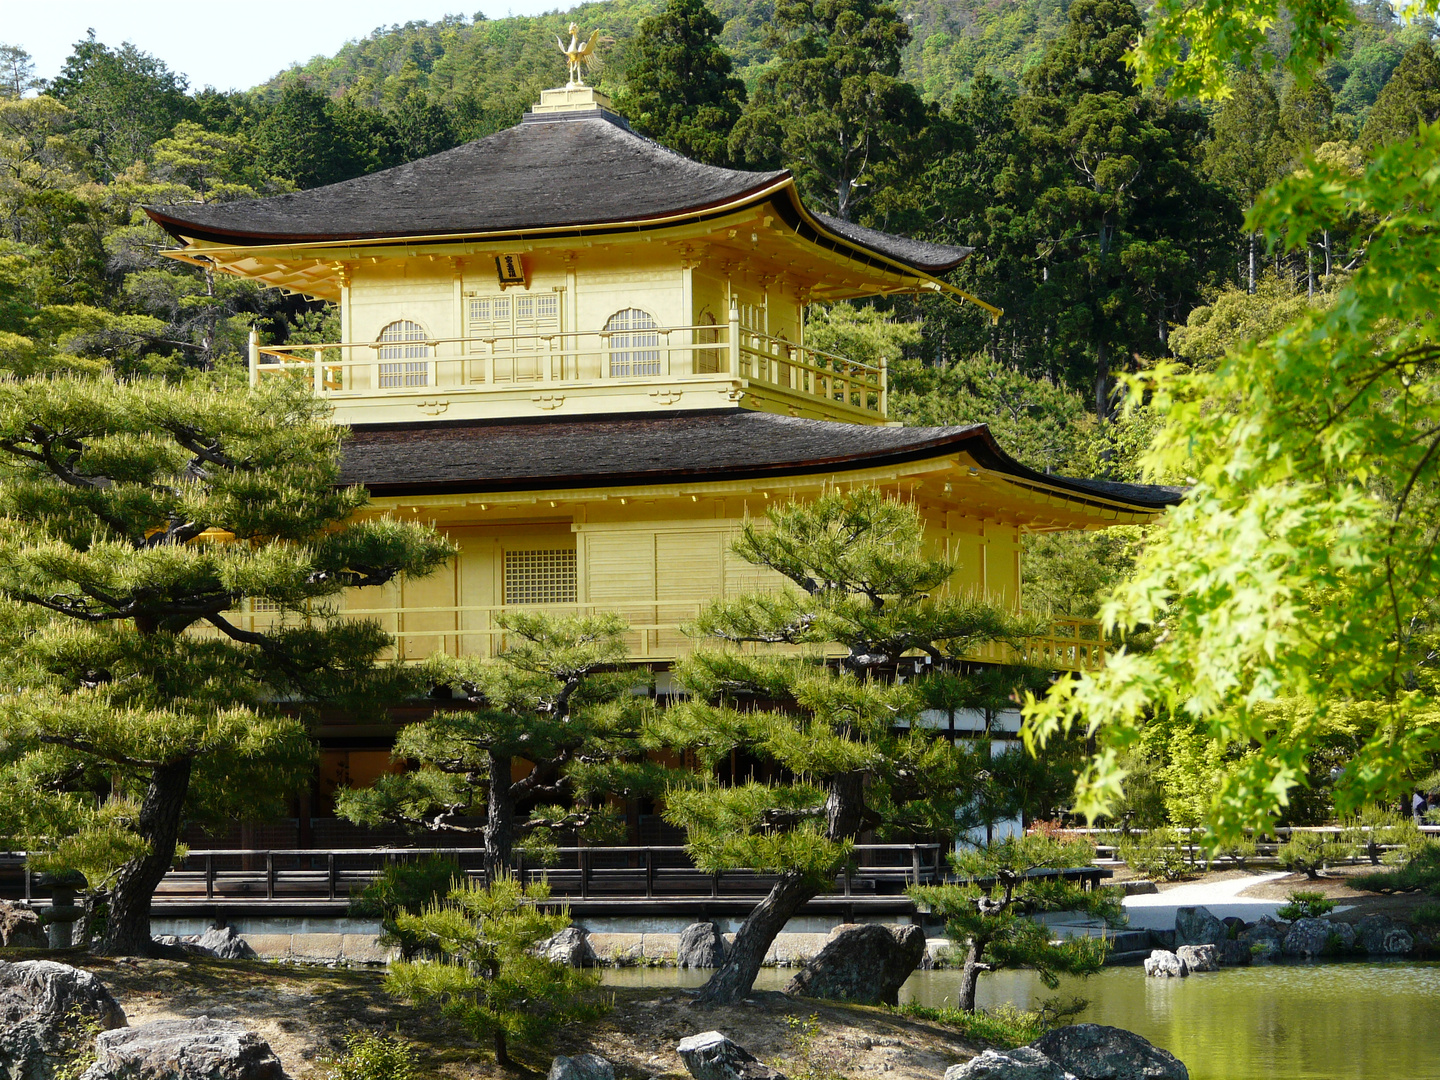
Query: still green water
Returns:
{"type": "Point", "coordinates": [1342, 1021]}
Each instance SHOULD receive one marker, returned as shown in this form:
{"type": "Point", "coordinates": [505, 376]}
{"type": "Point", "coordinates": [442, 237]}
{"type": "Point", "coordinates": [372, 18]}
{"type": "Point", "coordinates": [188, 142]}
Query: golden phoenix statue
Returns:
{"type": "Point", "coordinates": [579, 53]}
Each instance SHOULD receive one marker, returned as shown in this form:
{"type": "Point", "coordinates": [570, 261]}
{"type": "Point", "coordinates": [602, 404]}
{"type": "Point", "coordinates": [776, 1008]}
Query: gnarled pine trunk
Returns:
{"type": "Point", "coordinates": [734, 978]}
{"type": "Point", "coordinates": [127, 927]}
{"type": "Point", "coordinates": [499, 818]}
{"type": "Point", "coordinates": [970, 978]}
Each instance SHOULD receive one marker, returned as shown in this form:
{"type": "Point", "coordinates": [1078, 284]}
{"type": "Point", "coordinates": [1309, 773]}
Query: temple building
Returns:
{"type": "Point", "coordinates": [583, 357]}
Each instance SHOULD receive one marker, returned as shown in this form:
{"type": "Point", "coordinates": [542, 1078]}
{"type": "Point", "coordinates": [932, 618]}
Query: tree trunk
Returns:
{"type": "Point", "coordinates": [1251, 288]}
{"type": "Point", "coordinates": [499, 818]}
{"type": "Point", "coordinates": [970, 979]}
{"type": "Point", "coordinates": [127, 929]}
{"type": "Point", "coordinates": [502, 1050]}
{"type": "Point", "coordinates": [734, 978]}
{"type": "Point", "coordinates": [1102, 382]}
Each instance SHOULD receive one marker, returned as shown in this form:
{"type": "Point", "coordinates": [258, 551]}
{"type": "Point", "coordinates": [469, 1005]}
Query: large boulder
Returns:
{"type": "Point", "coordinates": [711, 1056]}
{"type": "Point", "coordinates": [20, 927]}
{"type": "Point", "coordinates": [1308, 938]}
{"type": "Point", "coordinates": [1233, 952]}
{"type": "Point", "coordinates": [581, 1067]}
{"type": "Point", "coordinates": [1022, 1063]}
{"type": "Point", "coordinates": [1197, 926]}
{"type": "Point", "coordinates": [1380, 935]}
{"type": "Point", "coordinates": [42, 1006]}
{"type": "Point", "coordinates": [1164, 964]}
{"type": "Point", "coordinates": [1199, 958]}
{"type": "Point", "coordinates": [1263, 938]}
{"type": "Point", "coordinates": [701, 946]}
{"type": "Point", "coordinates": [862, 962]}
{"type": "Point", "coordinates": [570, 946]}
{"type": "Point", "coordinates": [1096, 1052]}
{"type": "Point", "coordinates": [222, 941]}
{"type": "Point", "coordinates": [193, 1049]}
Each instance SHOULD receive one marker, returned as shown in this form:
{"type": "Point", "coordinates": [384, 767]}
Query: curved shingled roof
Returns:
{"type": "Point", "coordinates": [645, 449]}
{"type": "Point", "coordinates": [554, 172]}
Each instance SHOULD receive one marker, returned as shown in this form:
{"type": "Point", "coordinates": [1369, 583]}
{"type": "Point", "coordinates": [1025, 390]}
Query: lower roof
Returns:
{"type": "Point", "coordinates": [620, 451]}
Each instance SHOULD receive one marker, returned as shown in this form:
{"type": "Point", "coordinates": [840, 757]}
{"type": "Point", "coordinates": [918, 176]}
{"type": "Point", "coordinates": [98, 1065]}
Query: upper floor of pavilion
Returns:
{"type": "Point", "coordinates": [561, 267]}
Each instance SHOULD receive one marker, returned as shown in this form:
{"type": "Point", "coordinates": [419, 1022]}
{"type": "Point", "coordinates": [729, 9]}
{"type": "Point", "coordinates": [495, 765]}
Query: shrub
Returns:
{"type": "Point", "coordinates": [1421, 873]}
{"type": "Point", "coordinates": [373, 1057]}
{"type": "Point", "coordinates": [405, 889]}
{"type": "Point", "coordinates": [1427, 915]}
{"type": "Point", "coordinates": [1236, 852]}
{"type": "Point", "coordinates": [1309, 852]}
{"type": "Point", "coordinates": [1155, 854]}
{"type": "Point", "coordinates": [1306, 905]}
{"type": "Point", "coordinates": [1004, 1026]}
{"type": "Point", "coordinates": [1373, 828]}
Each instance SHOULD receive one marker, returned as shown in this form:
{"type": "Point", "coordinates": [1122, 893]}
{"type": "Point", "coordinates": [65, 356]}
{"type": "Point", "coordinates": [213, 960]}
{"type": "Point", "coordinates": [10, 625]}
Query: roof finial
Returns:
{"type": "Point", "coordinates": [580, 53]}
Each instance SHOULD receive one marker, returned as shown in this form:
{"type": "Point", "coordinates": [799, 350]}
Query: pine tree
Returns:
{"type": "Point", "coordinates": [678, 89]}
{"type": "Point", "coordinates": [833, 107]}
{"type": "Point", "coordinates": [992, 915]}
{"type": "Point", "coordinates": [1409, 99]}
{"type": "Point", "coordinates": [489, 976]}
{"type": "Point", "coordinates": [840, 745]}
{"type": "Point", "coordinates": [136, 522]}
{"type": "Point", "coordinates": [558, 701]}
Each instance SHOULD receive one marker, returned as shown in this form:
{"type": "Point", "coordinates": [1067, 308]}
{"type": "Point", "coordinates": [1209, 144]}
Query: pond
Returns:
{"type": "Point", "coordinates": [1335, 1021]}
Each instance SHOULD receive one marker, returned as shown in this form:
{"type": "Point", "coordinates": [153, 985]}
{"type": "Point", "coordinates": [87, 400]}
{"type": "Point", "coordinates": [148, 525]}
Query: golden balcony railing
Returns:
{"type": "Point", "coordinates": [553, 360]}
{"type": "Point", "coordinates": [656, 632]}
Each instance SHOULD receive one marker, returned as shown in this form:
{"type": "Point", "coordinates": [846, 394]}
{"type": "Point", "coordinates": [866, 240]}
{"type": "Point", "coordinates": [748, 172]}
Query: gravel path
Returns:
{"type": "Point", "coordinates": [1156, 911]}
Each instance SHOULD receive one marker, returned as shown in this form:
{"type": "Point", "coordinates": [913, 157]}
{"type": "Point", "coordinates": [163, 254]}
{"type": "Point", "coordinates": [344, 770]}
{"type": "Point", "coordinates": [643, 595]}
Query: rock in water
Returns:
{"type": "Point", "coordinates": [862, 962]}
{"type": "Point", "coordinates": [570, 946]}
{"type": "Point", "coordinates": [1199, 958]}
{"type": "Point", "coordinates": [581, 1067]}
{"type": "Point", "coordinates": [1382, 936]}
{"type": "Point", "coordinates": [701, 946]}
{"type": "Point", "coordinates": [193, 1049]}
{"type": "Point", "coordinates": [711, 1056]}
{"type": "Point", "coordinates": [1163, 964]}
{"type": "Point", "coordinates": [226, 944]}
{"type": "Point", "coordinates": [1266, 933]}
{"type": "Point", "coordinates": [39, 999]}
{"type": "Point", "coordinates": [1233, 952]}
{"type": "Point", "coordinates": [20, 927]}
{"type": "Point", "coordinates": [1307, 938]}
{"type": "Point", "coordinates": [1096, 1052]}
{"type": "Point", "coordinates": [1196, 926]}
{"type": "Point", "coordinates": [1022, 1063]}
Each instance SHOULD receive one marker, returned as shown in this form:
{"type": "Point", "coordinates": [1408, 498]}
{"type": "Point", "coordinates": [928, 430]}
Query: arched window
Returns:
{"type": "Point", "coordinates": [405, 343]}
{"type": "Point", "coordinates": [633, 350]}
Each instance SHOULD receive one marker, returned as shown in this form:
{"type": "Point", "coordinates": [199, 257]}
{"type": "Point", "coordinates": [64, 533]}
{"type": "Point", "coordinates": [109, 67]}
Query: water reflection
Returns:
{"type": "Point", "coordinates": [1349, 1021]}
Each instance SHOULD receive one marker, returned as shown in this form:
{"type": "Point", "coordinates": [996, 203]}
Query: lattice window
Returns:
{"type": "Point", "coordinates": [707, 360]}
{"type": "Point", "coordinates": [633, 351]}
{"type": "Point", "coordinates": [259, 604]}
{"type": "Point", "coordinates": [405, 341]}
{"type": "Point", "coordinates": [540, 577]}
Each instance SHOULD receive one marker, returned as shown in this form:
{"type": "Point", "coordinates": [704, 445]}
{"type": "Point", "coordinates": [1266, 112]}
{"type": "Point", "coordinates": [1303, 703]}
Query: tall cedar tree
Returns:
{"type": "Point", "coordinates": [833, 107]}
{"type": "Point", "coordinates": [135, 523]}
{"type": "Point", "coordinates": [1124, 230]}
{"type": "Point", "coordinates": [1246, 147]}
{"type": "Point", "coordinates": [992, 914]}
{"type": "Point", "coordinates": [558, 701]}
{"type": "Point", "coordinates": [1409, 99]}
{"type": "Point", "coordinates": [678, 89]}
{"type": "Point", "coordinates": [840, 744]}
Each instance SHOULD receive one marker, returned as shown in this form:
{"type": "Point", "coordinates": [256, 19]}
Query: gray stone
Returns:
{"type": "Point", "coordinates": [862, 962]}
{"type": "Point", "coordinates": [1263, 938]}
{"type": "Point", "coordinates": [1234, 925]}
{"type": "Point", "coordinates": [1197, 926]}
{"type": "Point", "coordinates": [1163, 964]}
{"type": "Point", "coordinates": [1307, 938]}
{"type": "Point", "coordinates": [1342, 935]}
{"type": "Point", "coordinates": [197, 1048]}
{"type": "Point", "coordinates": [20, 927]}
{"type": "Point", "coordinates": [1380, 935]}
{"type": "Point", "coordinates": [222, 941]}
{"type": "Point", "coordinates": [701, 946]}
{"type": "Point", "coordinates": [1233, 952]}
{"type": "Point", "coordinates": [581, 1067]}
{"type": "Point", "coordinates": [1022, 1063]}
{"type": "Point", "coordinates": [711, 1056]}
{"type": "Point", "coordinates": [1199, 957]}
{"type": "Point", "coordinates": [40, 1003]}
{"type": "Point", "coordinates": [570, 946]}
{"type": "Point", "coordinates": [1096, 1052]}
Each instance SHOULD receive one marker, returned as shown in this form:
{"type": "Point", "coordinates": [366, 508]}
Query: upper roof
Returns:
{"type": "Point", "coordinates": [551, 173]}
{"type": "Point", "coordinates": [645, 449]}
